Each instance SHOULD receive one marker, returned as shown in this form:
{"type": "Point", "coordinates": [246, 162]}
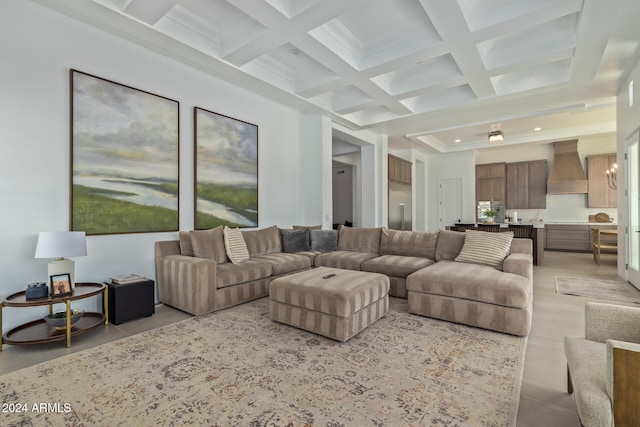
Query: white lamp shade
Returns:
{"type": "Point", "coordinates": [61, 244]}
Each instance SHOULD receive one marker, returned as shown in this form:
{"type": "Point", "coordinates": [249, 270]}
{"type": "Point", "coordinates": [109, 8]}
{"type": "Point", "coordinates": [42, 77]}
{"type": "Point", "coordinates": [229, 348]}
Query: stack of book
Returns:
{"type": "Point", "coordinates": [127, 278]}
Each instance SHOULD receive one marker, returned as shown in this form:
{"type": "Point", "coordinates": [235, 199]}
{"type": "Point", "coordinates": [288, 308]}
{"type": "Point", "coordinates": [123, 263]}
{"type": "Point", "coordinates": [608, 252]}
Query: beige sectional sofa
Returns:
{"type": "Point", "coordinates": [421, 266]}
{"type": "Point", "coordinates": [195, 275]}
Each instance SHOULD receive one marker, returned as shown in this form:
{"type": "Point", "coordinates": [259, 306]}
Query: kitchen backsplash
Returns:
{"type": "Point", "coordinates": [564, 208]}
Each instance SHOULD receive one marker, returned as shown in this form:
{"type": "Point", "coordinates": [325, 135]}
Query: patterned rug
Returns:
{"type": "Point", "coordinates": [238, 368]}
{"type": "Point", "coordinates": [611, 290]}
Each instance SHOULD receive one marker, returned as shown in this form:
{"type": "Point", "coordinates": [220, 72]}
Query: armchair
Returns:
{"type": "Point", "coordinates": [603, 368]}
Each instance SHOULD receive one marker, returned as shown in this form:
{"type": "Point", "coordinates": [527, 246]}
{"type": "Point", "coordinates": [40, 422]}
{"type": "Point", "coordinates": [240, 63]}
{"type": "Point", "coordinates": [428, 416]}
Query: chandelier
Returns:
{"type": "Point", "coordinates": [612, 176]}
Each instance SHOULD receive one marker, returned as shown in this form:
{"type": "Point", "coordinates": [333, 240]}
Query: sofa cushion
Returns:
{"type": "Point", "coordinates": [349, 260]}
{"type": "Point", "coordinates": [395, 265]}
{"type": "Point", "coordinates": [235, 245]}
{"type": "Point", "coordinates": [481, 247]}
{"type": "Point", "coordinates": [208, 244]}
{"type": "Point", "coordinates": [282, 262]}
{"type": "Point", "coordinates": [228, 274]}
{"type": "Point", "coordinates": [265, 241]}
{"type": "Point", "coordinates": [449, 245]}
{"type": "Point", "coordinates": [472, 282]}
{"type": "Point", "coordinates": [295, 240]}
{"type": "Point", "coordinates": [359, 239]}
{"type": "Point", "coordinates": [410, 243]}
{"type": "Point", "coordinates": [186, 248]}
{"type": "Point", "coordinates": [324, 240]}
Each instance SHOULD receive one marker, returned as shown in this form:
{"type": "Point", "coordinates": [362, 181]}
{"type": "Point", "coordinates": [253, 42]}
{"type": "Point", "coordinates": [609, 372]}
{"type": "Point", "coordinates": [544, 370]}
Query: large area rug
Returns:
{"type": "Point", "coordinates": [599, 289]}
{"type": "Point", "coordinates": [238, 368]}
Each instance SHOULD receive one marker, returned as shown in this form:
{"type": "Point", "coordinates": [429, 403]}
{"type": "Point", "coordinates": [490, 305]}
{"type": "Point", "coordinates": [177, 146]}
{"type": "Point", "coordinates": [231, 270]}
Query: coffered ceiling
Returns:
{"type": "Point", "coordinates": [436, 75]}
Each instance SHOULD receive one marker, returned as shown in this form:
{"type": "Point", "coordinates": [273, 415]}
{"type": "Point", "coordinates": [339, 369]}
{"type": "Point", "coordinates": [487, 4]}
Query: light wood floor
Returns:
{"type": "Point", "coordinates": [543, 400]}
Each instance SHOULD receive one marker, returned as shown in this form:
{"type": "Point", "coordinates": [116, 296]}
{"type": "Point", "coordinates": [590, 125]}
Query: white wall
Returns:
{"type": "Point", "coordinates": [628, 122]}
{"type": "Point", "coordinates": [372, 170]}
{"type": "Point", "coordinates": [450, 166]}
{"type": "Point", "coordinates": [38, 47]}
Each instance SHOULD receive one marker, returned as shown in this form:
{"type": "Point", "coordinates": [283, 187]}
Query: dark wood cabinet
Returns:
{"type": "Point", "coordinates": [600, 195]}
{"type": "Point", "coordinates": [490, 181]}
{"type": "Point", "coordinates": [526, 185]}
{"type": "Point", "coordinates": [567, 237]}
{"type": "Point", "coordinates": [399, 170]}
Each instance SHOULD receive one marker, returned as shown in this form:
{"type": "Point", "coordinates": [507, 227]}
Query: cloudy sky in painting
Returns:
{"type": "Point", "coordinates": [122, 131]}
{"type": "Point", "coordinates": [227, 150]}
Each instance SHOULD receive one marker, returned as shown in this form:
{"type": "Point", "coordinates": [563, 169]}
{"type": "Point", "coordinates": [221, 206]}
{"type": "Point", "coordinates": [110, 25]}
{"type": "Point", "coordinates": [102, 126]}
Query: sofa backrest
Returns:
{"type": "Point", "coordinates": [263, 242]}
{"type": "Point", "coordinates": [449, 245]}
{"type": "Point", "coordinates": [205, 244]}
{"type": "Point", "coordinates": [359, 239]}
{"type": "Point", "coordinates": [521, 246]}
{"type": "Point", "coordinates": [409, 243]}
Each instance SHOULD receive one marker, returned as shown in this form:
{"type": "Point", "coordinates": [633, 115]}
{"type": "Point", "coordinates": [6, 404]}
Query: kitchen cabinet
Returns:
{"type": "Point", "coordinates": [490, 181]}
{"type": "Point", "coordinates": [600, 195]}
{"type": "Point", "coordinates": [399, 170]}
{"type": "Point", "coordinates": [526, 185]}
{"type": "Point", "coordinates": [567, 237]}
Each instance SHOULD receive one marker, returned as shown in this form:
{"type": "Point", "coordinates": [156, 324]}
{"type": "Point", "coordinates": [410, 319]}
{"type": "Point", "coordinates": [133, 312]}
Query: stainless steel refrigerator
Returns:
{"type": "Point", "coordinates": [399, 206]}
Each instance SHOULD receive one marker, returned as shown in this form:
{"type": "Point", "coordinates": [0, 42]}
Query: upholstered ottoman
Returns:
{"type": "Point", "coordinates": [331, 302]}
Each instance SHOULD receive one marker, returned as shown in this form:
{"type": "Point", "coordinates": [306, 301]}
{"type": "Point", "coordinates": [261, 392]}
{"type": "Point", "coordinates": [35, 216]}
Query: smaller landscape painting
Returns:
{"type": "Point", "coordinates": [125, 148]}
{"type": "Point", "coordinates": [226, 175]}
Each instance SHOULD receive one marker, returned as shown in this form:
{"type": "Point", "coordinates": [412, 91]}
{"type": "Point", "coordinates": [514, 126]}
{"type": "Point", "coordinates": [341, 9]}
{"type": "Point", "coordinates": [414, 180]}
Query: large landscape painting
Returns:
{"type": "Point", "coordinates": [226, 187]}
{"type": "Point", "coordinates": [125, 145]}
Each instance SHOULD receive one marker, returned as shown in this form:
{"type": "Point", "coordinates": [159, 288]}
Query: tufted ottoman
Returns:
{"type": "Point", "coordinates": [337, 307]}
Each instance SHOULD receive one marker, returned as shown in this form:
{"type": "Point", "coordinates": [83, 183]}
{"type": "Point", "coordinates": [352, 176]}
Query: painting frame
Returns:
{"type": "Point", "coordinates": [125, 158]}
{"type": "Point", "coordinates": [225, 171]}
{"type": "Point", "coordinates": [60, 284]}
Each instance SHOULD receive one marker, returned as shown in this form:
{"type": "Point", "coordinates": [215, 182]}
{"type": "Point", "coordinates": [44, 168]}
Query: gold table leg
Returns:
{"type": "Point", "coordinates": [68, 323]}
{"type": "Point", "coordinates": [0, 326]}
{"type": "Point", "coordinates": [105, 299]}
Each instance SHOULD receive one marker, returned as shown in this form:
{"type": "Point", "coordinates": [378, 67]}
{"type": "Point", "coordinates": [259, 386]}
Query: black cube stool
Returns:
{"type": "Point", "coordinates": [131, 301]}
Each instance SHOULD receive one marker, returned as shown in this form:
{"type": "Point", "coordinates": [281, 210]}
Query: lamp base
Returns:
{"type": "Point", "coordinates": [61, 266]}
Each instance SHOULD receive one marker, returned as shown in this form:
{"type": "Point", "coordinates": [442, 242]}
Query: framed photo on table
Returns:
{"type": "Point", "coordinates": [61, 285]}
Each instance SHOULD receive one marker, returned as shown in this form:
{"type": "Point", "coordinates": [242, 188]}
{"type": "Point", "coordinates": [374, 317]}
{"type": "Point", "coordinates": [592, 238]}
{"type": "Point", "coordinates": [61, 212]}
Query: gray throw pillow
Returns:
{"type": "Point", "coordinates": [295, 240]}
{"type": "Point", "coordinates": [324, 240]}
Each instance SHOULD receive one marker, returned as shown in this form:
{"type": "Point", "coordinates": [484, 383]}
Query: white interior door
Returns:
{"type": "Point", "coordinates": [633, 197]}
{"type": "Point", "coordinates": [450, 203]}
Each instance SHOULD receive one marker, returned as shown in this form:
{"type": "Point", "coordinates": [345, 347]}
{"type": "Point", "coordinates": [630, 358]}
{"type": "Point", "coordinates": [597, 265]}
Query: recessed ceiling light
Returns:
{"type": "Point", "coordinates": [537, 129]}
{"type": "Point", "coordinates": [294, 52]}
{"type": "Point", "coordinates": [458, 140]}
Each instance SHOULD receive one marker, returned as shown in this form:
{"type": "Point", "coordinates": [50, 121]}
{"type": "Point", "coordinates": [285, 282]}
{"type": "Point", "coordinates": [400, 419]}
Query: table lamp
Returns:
{"type": "Point", "coordinates": [59, 245]}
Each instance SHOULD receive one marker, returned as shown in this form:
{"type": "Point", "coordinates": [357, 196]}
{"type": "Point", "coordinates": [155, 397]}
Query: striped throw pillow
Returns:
{"type": "Point", "coordinates": [482, 247]}
{"type": "Point", "coordinates": [235, 245]}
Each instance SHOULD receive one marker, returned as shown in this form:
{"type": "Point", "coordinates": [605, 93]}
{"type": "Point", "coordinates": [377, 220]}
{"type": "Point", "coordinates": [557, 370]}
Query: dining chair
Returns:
{"type": "Point", "coordinates": [598, 246]}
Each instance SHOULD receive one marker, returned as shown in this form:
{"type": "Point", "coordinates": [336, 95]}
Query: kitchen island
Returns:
{"type": "Point", "coordinates": [538, 237]}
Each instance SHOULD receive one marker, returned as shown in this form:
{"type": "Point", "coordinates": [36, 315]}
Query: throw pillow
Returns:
{"type": "Point", "coordinates": [264, 241]}
{"type": "Point", "coordinates": [235, 245]}
{"type": "Point", "coordinates": [324, 240]}
{"type": "Point", "coordinates": [208, 244]}
{"type": "Point", "coordinates": [186, 248]}
{"type": "Point", "coordinates": [295, 240]}
{"type": "Point", "coordinates": [482, 247]}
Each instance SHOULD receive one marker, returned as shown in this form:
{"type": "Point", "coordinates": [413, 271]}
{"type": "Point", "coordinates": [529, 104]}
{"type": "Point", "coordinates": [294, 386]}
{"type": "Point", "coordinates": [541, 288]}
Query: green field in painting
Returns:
{"type": "Point", "coordinates": [238, 198]}
{"type": "Point", "coordinates": [96, 213]}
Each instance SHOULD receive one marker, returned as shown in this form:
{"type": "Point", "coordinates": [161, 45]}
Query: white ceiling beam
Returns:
{"type": "Point", "coordinates": [450, 23]}
{"type": "Point", "coordinates": [149, 11]}
{"type": "Point", "coordinates": [593, 34]}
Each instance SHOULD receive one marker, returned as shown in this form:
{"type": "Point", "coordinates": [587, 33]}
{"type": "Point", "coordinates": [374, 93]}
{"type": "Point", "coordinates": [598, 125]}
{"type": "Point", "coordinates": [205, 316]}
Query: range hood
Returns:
{"type": "Point", "coordinates": [567, 174]}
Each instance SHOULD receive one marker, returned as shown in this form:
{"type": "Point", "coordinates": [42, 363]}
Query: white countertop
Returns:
{"type": "Point", "coordinates": [580, 223]}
